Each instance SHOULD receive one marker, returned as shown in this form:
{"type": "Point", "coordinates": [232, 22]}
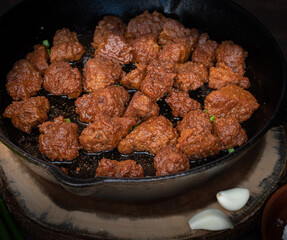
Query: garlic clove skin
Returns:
{"type": "Point", "coordinates": [233, 199]}
{"type": "Point", "coordinates": [210, 219]}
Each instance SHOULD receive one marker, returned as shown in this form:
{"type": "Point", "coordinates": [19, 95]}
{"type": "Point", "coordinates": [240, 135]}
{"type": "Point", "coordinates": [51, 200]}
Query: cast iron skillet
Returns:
{"type": "Point", "coordinates": [33, 21]}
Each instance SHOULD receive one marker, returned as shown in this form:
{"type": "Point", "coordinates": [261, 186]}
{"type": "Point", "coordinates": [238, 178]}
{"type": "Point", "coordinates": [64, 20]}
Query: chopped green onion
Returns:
{"type": "Point", "coordinates": [118, 85]}
{"type": "Point", "coordinates": [231, 150]}
{"type": "Point", "coordinates": [49, 51]}
{"type": "Point", "coordinates": [46, 43]}
{"type": "Point", "coordinates": [68, 120]}
{"type": "Point", "coordinates": [205, 111]}
{"type": "Point", "coordinates": [211, 118]}
{"type": "Point", "coordinates": [133, 128]}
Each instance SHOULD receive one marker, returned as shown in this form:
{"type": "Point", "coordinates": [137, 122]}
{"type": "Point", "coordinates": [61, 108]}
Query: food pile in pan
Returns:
{"type": "Point", "coordinates": [169, 62]}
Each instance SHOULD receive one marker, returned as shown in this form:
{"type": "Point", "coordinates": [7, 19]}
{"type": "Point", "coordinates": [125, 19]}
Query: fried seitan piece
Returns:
{"type": "Point", "coordinates": [159, 79]}
{"type": "Point", "coordinates": [134, 78]}
{"type": "Point", "coordinates": [190, 76]}
{"type": "Point", "coordinates": [180, 103]}
{"type": "Point", "coordinates": [231, 101]}
{"type": "Point", "coordinates": [23, 81]}
{"type": "Point", "coordinates": [151, 136]}
{"type": "Point", "coordinates": [141, 108]}
{"type": "Point", "coordinates": [197, 143]}
{"type": "Point", "coordinates": [39, 58]}
{"type": "Point", "coordinates": [28, 113]}
{"type": "Point", "coordinates": [170, 160]}
{"type": "Point", "coordinates": [177, 52]}
{"type": "Point", "coordinates": [109, 101]}
{"type": "Point", "coordinates": [173, 31]}
{"type": "Point", "coordinates": [223, 75]}
{"type": "Point", "coordinates": [59, 140]}
{"type": "Point", "coordinates": [115, 48]}
{"type": "Point", "coordinates": [229, 132]}
{"type": "Point", "coordinates": [105, 133]}
{"type": "Point", "coordinates": [61, 79]}
{"type": "Point", "coordinates": [145, 48]}
{"type": "Point", "coordinates": [100, 72]}
{"type": "Point", "coordinates": [113, 168]}
{"type": "Point", "coordinates": [232, 55]}
{"type": "Point", "coordinates": [193, 119]}
{"type": "Point", "coordinates": [204, 51]}
{"type": "Point", "coordinates": [66, 46]}
{"type": "Point", "coordinates": [144, 24]}
{"type": "Point", "coordinates": [107, 24]}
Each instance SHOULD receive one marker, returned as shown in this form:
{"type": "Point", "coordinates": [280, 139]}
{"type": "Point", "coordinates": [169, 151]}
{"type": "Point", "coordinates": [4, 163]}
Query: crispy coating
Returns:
{"type": "Point", "coordinates": [193, 119]}
{"type": "Point", "coordinates": [204, 51]}
{"type": "Point", "coordinates": [107, 24]}
{"type": "Point", "coordinates": [99, 73]}
{"type": "Point", "coordinates": [151, 136]}
{"type": "Point", "coordinates": [66, 46]}
{"type": "Point", "coordinates": [229, 132]}
{"type": "Point", "coordinates": [197, 143]}
{"type": "Point", "coordinates": [61, 79]}
{"type": "Point", "coordinates": [28, 113]}
{"type": "Point", "coordinates": [113, 168]}
{"type": "Point", "coordinates": [177, 52]}
{"type": "Point", "coordinates": [141, 108]}
{"type": "Point", "coordinates": [223, 75]}
{"type": "Point", "coordinates": [144, 24]}
{"type": "Point", "coordinates": [59, 139]}
{"type": "Point", "coordinates": [134, 78]}
{"type": "Point", "coordinates": [173, 31]}
{"type": "Point", "coordinates": [39, 58]}
{"type": "Point", "coordinates": [109, 101]}
{"type": "Point", "coordinates": [23, 81]}
{"type": "Point", "coordinates": [170, 160]}
{"type": "Point", "coordinates": [231, 101]}
{"type": "Point", "coordinates": [145, 48]}
{"type": "Point", "coordinates": [190, 76]}
{"type": "Point", "coordinates": [116, 48]}
{"type": "Point", "coordinates": [159, 79]}
{"type": "Point", "coordinates": [180, 103]}
{"type": "Point", "coordinates": [105, 133]}
{"type": "Point", "coordinates": [232, 55]}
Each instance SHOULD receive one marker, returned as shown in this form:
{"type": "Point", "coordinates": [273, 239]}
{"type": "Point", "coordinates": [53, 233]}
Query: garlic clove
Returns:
{"type": "Point", "coordinates": [210, 219]}
{"type": "Point", "coordinates": [233, 199]}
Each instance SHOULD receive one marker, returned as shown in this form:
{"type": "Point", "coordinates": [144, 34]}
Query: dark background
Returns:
{"type": "Point", "coordinates": [272, 13]}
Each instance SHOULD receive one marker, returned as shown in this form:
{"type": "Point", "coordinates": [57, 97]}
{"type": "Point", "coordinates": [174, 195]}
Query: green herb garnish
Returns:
{"type": "Point", "coordinates": [46, 43]}
{"type": "Point", "coordinates": [230, 150]}
{"type": "Point", "coordinates": [211, 118]}
{"type": "Point", "coordinates": [205, 111]}
{"type": "Point", "coordinates": [68, 120]}
{"type": "Point", "coordinates": [49, 51]}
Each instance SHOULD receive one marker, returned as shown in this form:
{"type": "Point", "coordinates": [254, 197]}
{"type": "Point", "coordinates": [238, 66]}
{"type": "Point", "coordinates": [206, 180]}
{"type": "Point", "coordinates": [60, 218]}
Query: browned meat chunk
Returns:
{"type": "Point", "coordinates": [141, 108]}
{"type": "Point", "coordinates": [151, 136]}
{"type": "Point", "coordinates": [99, 73]}
{"type": "Point", "coordinates": [193, 119]}
{"type": "Point", "coordinates": [28, 113]}
{"type": "Point", "coordinates": [178, 52]}
{"type": "Point", "coordinates": [23, 81]}
{"type": "Point", "coordinates": [223, 75]}
{"type": "Point", "coordinates": [39, 58]}
{"type": "Point", "coordinates": [109, 101]}
{"type": "Point", "coordinates": [197, 143]}
{"type": "Point", "coordinates": [145, 48]}
{"type": "Point", "coordinates": [229, 132]}
{"type": "Point", "coordinates": [173, 31]}
{"type": "Point", "coordinates": [108, 24]}
{"type": "Point", "coordinates": [180, 103]}
{"type": "Point", "coordinates": [134, 78]}
{"type": "Point", "coordinates": [159, 79]}
{"type": "Point", "coordinates": [231, 101]}
{"type": "Point", "coordinates": [190, 76]}
{"type": "Point", "coordinates": [116, 48]}
{"type": "Point", "coordinates": [59, 140]}
{"type": "Point", "coordinates": [232, 55]}
{"type": "Point", "coordinates": [145, 23]}
{"type": "Point", "coordinates": [105, 133]}
{"type": "Point", "coordinates": [66, 46]}
{"type": "Point", "coordinates": [170, 160]}
{"type": "Point", "coordinates": [113, 168]}
{"type": "Point", "coordinates": [61, 79]}
{"type": "Point", "coordinates": [204, 51]}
